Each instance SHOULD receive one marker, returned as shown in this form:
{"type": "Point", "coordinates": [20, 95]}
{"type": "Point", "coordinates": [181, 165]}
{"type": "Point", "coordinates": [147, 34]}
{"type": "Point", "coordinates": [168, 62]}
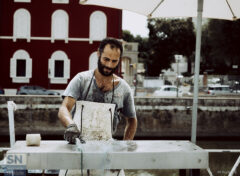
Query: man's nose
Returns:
{"type": "Point", "coordinates": [109, 65]}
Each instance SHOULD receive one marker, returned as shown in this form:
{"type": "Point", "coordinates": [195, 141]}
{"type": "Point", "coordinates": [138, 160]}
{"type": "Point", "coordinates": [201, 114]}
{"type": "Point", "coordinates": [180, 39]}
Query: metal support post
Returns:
{"type": "Point", "coordinates": [234, 167]}
{"type": "Point", "coordinates": [11, 109]}
{"type": "Point", "coordinates": [196, 71]}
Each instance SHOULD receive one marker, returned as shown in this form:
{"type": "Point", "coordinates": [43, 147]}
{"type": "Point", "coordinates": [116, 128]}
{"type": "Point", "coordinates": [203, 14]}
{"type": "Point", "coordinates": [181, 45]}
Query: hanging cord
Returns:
{"type": "Point", "coordinates": [150, 15]}
{"type": "Point", "coordinates": [81, 160]}
{"type": "Point", "coordinates": [66, 172]}
{"type": "Point", "coordinates": [81, 120]}
{"type": "Point", "coordinates": [113, 90]}
{"type": "Point", "coordinates": [111, 109]}
{"type": "Point", "coordinates": [80, 149]}
{"type": "Point", "coordinates": [89, 87]}
{"type": "Point", "coordinates": [118, 172]}
{"type": "Point", "coordinates": [234, 17]}
{"type": "Point", "coordinates": [81, 163]}
{"type": "Point", "coordinates": [111, 116]}
{"type": "Point", "coordinates": [80, 136]}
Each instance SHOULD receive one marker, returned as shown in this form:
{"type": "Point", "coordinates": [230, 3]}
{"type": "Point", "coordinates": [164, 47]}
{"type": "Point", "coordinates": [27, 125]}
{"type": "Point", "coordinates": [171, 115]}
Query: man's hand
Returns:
{"type": "Point", "coordinates": [71, 133]}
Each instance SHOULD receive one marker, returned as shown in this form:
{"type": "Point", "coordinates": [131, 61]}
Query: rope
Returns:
{"type": "Point", "coordinates": [150, 15]}
{"type": "Point", "coordinates": [81, 151]}
{"type": "Point", "coordinates": [66, 172]}
{"type": "Point", "coordinates": [118, 172]}
{"type": "Point", "coordinates": [112, 90]}
{"type": "Point", "coordinates": [111, 120]}
{"type": "Point", "coordinates": [81, 120]}
{"type": "Point", "coordinates": [89, 87]}
{"type": "Point", "coordinates": [234, 17]}
{"type": "Point", "coordinates": [81, 163]}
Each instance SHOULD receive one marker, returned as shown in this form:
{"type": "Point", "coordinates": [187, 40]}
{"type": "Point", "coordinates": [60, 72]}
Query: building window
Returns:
{"type": "Point", "coordinates": [98, 26]}
{"type": "Point", "coordinates": [21, 25]}
{"type": "Point", "coordinates": [59, 26]}
{"type": "Point", "coordinates": [93, 61]}
{"type": "Point", "coordinates": [22, 0]}
{"type": "Point", "coordinates": [59, 68]}
{"type": "Point", "coordinates": [21, 67]}
{"type": "Point", "coordinates": [60, 1]}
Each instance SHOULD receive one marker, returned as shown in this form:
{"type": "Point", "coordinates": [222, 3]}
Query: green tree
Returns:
{"type": "Point", "coordinates": [127, 36]}
{"type": "Point", "coordinates": [220, 45]}
{"type": "Point", "coordinates": [166, 38]}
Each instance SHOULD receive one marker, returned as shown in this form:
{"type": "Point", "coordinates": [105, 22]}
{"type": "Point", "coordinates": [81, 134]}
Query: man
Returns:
{"type": "Point", "coordinates": [100, 85]}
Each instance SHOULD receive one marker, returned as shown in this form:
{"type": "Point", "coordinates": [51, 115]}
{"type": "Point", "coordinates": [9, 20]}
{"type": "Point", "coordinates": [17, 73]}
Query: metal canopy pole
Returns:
{"type": "Point", "coordinates": [196, 71]}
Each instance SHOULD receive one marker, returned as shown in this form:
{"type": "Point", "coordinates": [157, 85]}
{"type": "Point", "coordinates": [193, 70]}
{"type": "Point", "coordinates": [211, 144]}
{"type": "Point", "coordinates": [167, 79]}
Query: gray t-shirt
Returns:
{"type": "Point", "coordinates": [121, 96]}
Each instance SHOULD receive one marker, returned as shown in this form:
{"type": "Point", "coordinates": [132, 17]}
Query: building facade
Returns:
{"type": "Point", "coordinates": [47, 42]}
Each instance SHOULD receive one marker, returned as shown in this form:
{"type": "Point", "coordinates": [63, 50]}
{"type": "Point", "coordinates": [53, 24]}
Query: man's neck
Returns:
{"type": "Point", "coordinates": [101, 77]}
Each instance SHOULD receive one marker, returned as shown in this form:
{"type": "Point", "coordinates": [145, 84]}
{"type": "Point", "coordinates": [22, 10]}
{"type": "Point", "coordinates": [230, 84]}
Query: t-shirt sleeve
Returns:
{"type": "Point", "coordinates": [128, 105]}
{"type": "Point", "coordinates": [74, 88]}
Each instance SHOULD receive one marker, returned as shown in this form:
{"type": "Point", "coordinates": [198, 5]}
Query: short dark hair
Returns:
{"type": "Point", "coordinates": [114, 43]}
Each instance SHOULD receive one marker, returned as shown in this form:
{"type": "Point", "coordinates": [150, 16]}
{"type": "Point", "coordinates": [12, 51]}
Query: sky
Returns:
{"type": "Point", "coordinates": [135, 23]}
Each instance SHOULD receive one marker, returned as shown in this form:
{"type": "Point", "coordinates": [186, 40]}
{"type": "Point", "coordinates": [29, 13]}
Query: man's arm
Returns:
{"type": "Point", "coordinates": [130, 129]}
{"type": "Point", "coordinates": [64, 111]}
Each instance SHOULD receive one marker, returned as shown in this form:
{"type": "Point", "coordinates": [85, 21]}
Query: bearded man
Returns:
{"type": "Point", "coordinates": [103, 86]}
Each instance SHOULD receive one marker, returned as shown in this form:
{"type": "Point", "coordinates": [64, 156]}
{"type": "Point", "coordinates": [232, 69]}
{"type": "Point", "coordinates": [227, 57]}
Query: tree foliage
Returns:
{"type": "Point", "coordinates": [143, 43]}
{"type": "Point", "coordinates": [166, 38]}
{"type": "Point", "coordinates": [220, 46]}
{"type": "Point", "coordinates": [127, 36]}
{"type": "Point", "coordinates": [169, 37]}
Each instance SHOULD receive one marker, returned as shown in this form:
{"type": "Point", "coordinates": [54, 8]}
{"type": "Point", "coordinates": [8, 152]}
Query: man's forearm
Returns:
{"type": "Point", "coordinates": [65, 116]}
{"type": "Point", "coordinates": [130, 129]}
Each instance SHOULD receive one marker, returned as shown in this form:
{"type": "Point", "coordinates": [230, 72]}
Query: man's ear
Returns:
{"type": "Point", "coordinates": [98, 53]}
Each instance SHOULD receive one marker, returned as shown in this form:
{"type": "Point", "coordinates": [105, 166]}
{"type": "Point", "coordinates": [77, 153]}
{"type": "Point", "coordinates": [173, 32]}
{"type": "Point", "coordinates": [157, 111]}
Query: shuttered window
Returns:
{"type": "Point", "coordinates": [21, 67]}
{"type": "Point", "coordinates": [59, 68]}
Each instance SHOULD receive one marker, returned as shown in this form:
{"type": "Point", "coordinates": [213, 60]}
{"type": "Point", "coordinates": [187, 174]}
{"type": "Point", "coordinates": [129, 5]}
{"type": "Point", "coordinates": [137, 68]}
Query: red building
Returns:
{"type": "Point", "coordinates": [47, 42]}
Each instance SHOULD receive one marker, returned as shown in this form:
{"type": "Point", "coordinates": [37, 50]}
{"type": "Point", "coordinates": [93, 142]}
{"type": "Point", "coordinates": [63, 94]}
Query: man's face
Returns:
{"type": "Point", "coordinates": [108, 60]}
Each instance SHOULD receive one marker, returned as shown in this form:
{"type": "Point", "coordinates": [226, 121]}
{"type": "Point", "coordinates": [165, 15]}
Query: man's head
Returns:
{"type": "Point", "coordinates": [109, 53]}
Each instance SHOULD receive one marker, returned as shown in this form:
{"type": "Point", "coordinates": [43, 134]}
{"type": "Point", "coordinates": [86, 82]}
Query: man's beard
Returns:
{"type": "Point", "coordinates": [104, 73]}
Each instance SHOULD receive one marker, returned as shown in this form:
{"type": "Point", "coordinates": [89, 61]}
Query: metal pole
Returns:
{"type": "Point", "coordinates": [11, 108]}
{"type": "Point", "coordinates": [234, 167]}
{"type": "Point", "coordinates": [177, 75]}
{"type": "Point", "coordinates": [196, 70]}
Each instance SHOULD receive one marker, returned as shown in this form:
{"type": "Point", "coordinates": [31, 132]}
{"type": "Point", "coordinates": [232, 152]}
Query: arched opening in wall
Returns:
{"type": "Point", "coordinates": [126, 69]}
{"type": "Point", "coordinates": [59, 68]}
{"type": "Point", "coordinates": [93, 61]}
{"type": "Point", "coordinates": [21, 25]}
{"type": "Point", "coordinates": [98, 26]}
{"type": "Point", "coordinates": [59, 30]}
{"type": "Point", "coordinates": [20, 67]}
